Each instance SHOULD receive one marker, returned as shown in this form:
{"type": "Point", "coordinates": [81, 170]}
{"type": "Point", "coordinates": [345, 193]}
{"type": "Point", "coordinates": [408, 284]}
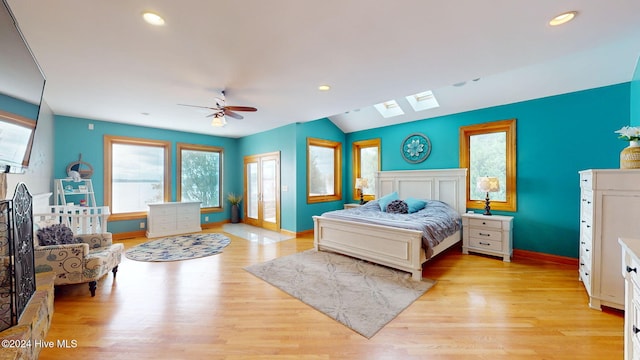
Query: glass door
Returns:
{"type": "Point", "coordinates": [262, 184]}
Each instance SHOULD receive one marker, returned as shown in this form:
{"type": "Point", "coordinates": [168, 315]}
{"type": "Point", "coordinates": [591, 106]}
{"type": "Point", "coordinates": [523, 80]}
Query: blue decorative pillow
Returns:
{"type": "Point", "coordinates": [385, 200]}
{"type": "Point", "coordinates": [56, 234]}
{"type": "Point", "coordinates": [415, 204]}
{"type": "Point", "coordinates": [397, 207]}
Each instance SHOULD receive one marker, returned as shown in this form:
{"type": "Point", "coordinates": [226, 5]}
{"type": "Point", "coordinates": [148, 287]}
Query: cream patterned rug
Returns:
{"type": "Point", "coordinates": [358, 294]}
{"type": "Point", "coordinates": [182, 247]}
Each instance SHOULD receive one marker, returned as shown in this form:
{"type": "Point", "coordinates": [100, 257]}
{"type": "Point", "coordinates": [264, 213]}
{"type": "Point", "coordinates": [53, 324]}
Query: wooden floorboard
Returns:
{"type": "Point", "coordinates": [210, 308]}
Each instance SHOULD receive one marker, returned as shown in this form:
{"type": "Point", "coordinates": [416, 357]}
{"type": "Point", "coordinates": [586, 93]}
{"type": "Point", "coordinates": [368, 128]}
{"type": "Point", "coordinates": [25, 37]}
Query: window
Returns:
{"type": "Point", "coordinates": [136, 174]}
{"type": "Point", "coordinates": [200, 175]}
{"type": "Point", "coordinates": [366, 161]}
{"type": "Point", "coordinates": [324, 175]}
{"type": "Point", "coordinates": [489, 149]}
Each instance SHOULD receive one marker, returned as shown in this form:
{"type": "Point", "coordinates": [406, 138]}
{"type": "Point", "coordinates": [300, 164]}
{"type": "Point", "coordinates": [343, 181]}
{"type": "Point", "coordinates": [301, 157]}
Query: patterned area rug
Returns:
{"type": "Point", "coordinates": [358, 294]}
{"type": "Point", "coordinates": [181, 247]}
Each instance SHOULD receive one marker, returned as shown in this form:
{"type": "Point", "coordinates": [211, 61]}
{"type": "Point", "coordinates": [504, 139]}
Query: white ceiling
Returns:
{"type": "Point", "coordinates": [103, 62]}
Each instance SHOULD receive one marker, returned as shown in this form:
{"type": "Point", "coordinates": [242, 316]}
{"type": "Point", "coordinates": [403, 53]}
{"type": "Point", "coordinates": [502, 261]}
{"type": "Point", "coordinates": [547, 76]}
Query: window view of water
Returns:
{"type": "Point", "coordinates": [132, 196]}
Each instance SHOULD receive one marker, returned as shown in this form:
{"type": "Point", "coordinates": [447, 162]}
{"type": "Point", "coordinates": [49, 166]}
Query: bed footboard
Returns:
{"type": "Point", "coordinates": [393, 247]}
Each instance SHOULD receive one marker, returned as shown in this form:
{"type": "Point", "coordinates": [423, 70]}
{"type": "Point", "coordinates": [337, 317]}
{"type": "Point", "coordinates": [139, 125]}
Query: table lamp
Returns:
{"type": "Point", "coordinates": [488, 184]}
{"type": "Point", "coordinates": [361, 183]}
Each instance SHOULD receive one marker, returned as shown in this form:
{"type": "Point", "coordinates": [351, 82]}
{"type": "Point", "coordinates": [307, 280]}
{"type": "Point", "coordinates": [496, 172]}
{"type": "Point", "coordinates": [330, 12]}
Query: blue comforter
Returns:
{"type": "Point", "coordinates": [437, 220]}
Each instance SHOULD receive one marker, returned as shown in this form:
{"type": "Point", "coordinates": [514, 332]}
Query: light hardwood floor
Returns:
{"type": "Point", "coordinates": [210, 308]}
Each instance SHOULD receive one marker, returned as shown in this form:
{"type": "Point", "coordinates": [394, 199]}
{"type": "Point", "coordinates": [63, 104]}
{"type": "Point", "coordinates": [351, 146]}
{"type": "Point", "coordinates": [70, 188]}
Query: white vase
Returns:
{"type": "Point", "coordinates": [630, 156]}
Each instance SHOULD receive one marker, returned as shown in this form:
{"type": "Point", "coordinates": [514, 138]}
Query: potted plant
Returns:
{"type": "Point", "coordinates": [234, 200]}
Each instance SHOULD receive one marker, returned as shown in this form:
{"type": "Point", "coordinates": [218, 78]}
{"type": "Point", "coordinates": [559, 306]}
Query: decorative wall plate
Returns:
{"type": "Point", "coordinates": [415, 148]}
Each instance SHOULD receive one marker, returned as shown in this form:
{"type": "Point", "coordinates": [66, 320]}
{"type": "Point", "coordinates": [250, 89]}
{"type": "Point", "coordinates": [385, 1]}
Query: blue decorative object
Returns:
{"type": "Point", "coordinates": [385, 200]}
{"type": "Point", "coordinates": [415, 204]}
{"type": "Point", "coordinates": [415, 148]}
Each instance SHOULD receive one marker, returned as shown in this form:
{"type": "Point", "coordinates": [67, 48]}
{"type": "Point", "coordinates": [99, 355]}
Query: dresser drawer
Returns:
{"type": "Point", "coordinates": [485, 223]}
{"type": "Point", "coordinates": [485, 244]}
{"type": "Point", "coordinates": [157, 211]}
{"type": "Point", "coordinates": [586, 205]}
{"type": "Point", "coordinates": [484, 234]}
{"type": "Point", "coordinates": [586, 180]}
{"type": "Point", "coordinates": [585, 276]}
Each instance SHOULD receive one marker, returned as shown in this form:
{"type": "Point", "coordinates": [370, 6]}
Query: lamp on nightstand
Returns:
{"type": "Point", "coordinates": [488, 184]}
{"type": "Point", "coordinates": [361, 183]}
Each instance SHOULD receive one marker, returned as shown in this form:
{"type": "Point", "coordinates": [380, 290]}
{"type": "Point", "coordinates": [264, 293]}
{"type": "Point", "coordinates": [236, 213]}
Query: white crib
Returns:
{"type": "Point", "coordinates": [80, 219]}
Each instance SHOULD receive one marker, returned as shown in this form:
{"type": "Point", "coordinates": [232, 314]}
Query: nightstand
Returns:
{"type": "Point", "coordinates": [487, 234]}
{"type": "Point", "coordinates": [351, 206]}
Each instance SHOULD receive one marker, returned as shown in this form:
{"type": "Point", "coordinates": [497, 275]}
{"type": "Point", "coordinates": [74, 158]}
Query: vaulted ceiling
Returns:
{"type": "Point", "coordinates": [103, 62]}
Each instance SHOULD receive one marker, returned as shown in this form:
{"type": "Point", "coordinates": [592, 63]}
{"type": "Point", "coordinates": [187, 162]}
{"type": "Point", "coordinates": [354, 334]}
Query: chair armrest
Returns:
{"type": "Point", "coordinates": [60, 259]}
{"type": "Point", "coordinates": [96, 240]}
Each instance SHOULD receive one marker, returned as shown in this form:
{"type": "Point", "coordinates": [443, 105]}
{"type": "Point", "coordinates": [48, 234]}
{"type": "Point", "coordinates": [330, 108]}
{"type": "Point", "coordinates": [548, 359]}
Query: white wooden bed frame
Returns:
{"type": "Point", "coordinates": [394, 247]}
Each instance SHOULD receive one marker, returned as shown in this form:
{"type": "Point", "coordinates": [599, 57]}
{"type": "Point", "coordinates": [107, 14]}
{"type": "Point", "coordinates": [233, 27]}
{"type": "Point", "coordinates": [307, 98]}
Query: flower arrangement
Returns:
{"type": "Point", "coordinates": [629, 133]}
{"type": "Point", "coordinates": [234, 199]}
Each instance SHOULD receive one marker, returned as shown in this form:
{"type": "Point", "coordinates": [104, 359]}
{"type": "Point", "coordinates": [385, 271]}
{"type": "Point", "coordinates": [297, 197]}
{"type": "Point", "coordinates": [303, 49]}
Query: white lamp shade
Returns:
{"type": "Point", "coordinates": [219, 121]}
{"type": "Point", "coordinates": [488, 184]}
{"type": "Point", "coordinates": [361, 183]}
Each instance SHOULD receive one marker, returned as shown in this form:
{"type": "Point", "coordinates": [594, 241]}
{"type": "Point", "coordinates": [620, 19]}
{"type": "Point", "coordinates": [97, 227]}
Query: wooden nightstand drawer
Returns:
{"type": "Point", "coordinates": [485, 223]}
{"type": "Point", "coordinates": [485, 244]}
{"type": "Point", "coordinates": [485, 234]}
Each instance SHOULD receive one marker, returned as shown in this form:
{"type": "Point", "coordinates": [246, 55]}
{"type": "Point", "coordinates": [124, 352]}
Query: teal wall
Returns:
{"type": "Point", "coordinates": [635, 96]}
{"type": "Point", "coordinates": [282, 140]}
{"type": "Point", "coordinates": [291, 142]}
{"type": "Point", "coordinates": [556, 137]}
{"type": "Point", "coordinates": [19, 107]}
{"type": "Point", "coordinates": [73, 137]}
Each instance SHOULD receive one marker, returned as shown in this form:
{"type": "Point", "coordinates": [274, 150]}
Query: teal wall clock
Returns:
{"type": "Point", "coordinates": [415, 148]}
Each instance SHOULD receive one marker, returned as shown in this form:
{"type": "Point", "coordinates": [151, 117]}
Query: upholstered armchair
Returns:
{"type": "Point", "coordinates": [76, 258]}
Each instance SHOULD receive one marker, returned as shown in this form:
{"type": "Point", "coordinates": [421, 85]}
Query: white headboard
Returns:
{"type": "Point", "coordinates": [447, 185]}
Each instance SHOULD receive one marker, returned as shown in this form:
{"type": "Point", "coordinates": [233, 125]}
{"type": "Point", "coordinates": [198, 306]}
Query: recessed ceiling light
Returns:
{"type": "Point", "coordinates": [563, 18]}
{"type": "Point", "coordinates": [153, 18]}
{"type": "Point", "coordinates": [324, 87]}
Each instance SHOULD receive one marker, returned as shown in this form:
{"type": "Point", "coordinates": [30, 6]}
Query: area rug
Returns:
{"type": "Point", "coordinates": [360, 295]}
{"type": "Point", "coordinates": [181, 247]}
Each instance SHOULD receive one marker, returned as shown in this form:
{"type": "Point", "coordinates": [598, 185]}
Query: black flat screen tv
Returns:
{"type": "Point", "coordinates": [21, 89]}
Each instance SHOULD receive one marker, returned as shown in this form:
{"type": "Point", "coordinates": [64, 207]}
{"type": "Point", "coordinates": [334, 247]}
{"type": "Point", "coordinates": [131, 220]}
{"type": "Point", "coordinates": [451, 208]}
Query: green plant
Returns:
{"type": "Point", "coordinates": [234, 199]}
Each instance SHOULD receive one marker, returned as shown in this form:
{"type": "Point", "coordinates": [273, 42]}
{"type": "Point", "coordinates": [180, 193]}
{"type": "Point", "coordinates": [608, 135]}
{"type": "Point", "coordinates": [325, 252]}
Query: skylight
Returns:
{"type": "Point", "coordinates": [423, 101]}
{"type": "Point", "coordinates": [389, 109]}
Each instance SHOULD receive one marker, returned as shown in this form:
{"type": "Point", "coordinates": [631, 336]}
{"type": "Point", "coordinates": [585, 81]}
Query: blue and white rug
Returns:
{"type": "Point", "coordinates": [182, 247]}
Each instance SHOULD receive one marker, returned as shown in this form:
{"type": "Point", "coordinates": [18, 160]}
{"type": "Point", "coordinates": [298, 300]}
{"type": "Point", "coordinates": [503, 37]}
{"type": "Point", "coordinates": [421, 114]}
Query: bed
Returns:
{"type": "Point", "coordinates": [391, 246]}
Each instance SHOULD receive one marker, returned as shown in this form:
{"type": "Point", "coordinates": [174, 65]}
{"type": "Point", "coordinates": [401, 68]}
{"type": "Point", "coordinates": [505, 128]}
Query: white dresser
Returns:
{"type": "Point", "coordinates": [487, 234]}
{"type": "Point", "coordinates": [171, 218]}
{"type": "Point", "coordinates": [609, 209]}
{"type": "Point", "coordinates": [630, 268]}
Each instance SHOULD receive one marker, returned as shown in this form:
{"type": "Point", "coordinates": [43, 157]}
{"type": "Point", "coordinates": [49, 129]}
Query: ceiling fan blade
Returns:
{"type": "Point", "coordinates": [240, 108]}
{"type": "Point", "coordinates": [230, 113]}
{"type": "Point", "coordinates": [202, 107]}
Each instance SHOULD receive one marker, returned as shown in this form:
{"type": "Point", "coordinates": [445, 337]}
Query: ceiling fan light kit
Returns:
{"type": "Point", "coordinates": [221, 110]}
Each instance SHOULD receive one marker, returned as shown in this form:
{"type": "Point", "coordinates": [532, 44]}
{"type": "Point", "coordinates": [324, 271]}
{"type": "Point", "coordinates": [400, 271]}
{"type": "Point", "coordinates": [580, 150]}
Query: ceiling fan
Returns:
{"type": "Point", "coordinates": [221, 110]}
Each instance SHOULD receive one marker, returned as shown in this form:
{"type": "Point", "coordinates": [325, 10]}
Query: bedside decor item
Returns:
{"type": "Point", "coordinates": [415, 148]}
{"type": "Point", "coordinates": [488, 184]}
{"type": "Point", "coordinates": [361, 183]}
{"type": "Point", "coordinates": [630, 156]}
